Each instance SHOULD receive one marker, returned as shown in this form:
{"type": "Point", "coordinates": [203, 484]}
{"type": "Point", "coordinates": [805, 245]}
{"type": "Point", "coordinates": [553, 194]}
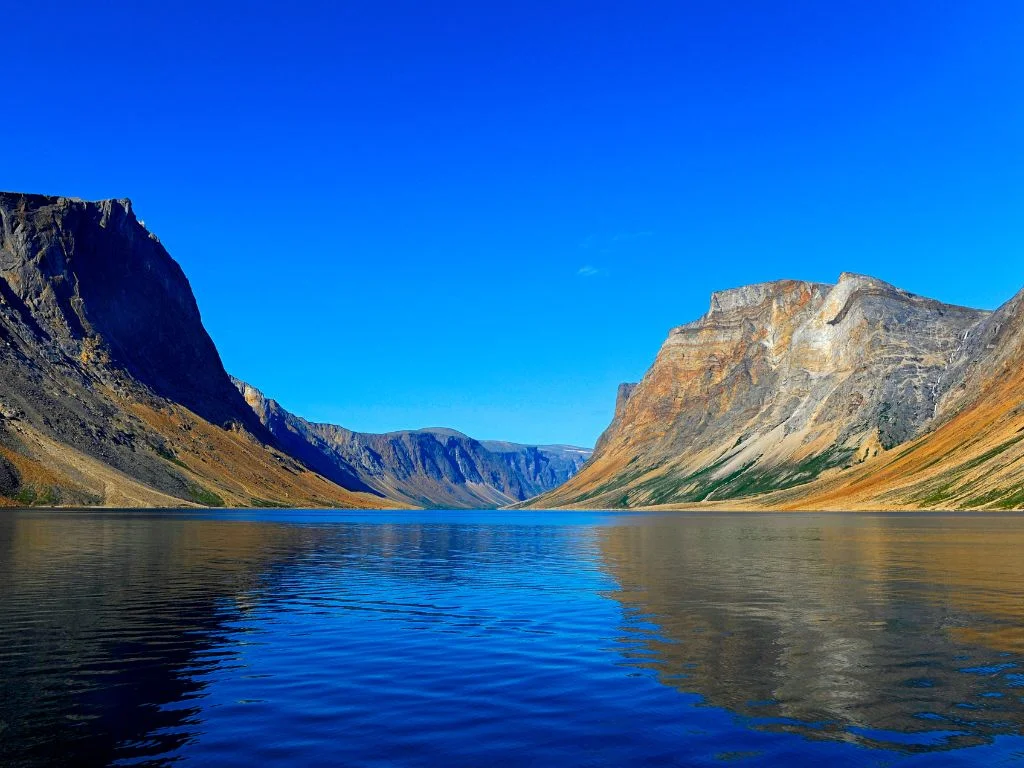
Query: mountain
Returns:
{"type": "Point", "coordinates": [111, 391]}
{"type": "Point", "coordinates": [426, 467]}
{"type": "Point", "coordinates": [784, 395]}
{"type": "Point", "coordinates": [797, 395]}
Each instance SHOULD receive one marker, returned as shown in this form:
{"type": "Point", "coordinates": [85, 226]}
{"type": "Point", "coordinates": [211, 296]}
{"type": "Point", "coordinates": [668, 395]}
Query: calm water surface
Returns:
{"type": "Point", "coordinates": [482, 638]}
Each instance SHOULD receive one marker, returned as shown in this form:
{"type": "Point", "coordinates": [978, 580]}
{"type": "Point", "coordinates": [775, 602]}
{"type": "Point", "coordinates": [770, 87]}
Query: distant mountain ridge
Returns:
{"type": "Point", "coordinates": [799, 395]}
{"type": "Point", "coordinates": [425, 467]}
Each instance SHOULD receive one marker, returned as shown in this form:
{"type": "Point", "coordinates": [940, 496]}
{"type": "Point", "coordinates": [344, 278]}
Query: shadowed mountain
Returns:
{"type": "Point", "coordinates": [111, 391]}
{"type": "Point", "coordinates": [426, 467]}
{"type": "Point", "coordinates": [794, 394]}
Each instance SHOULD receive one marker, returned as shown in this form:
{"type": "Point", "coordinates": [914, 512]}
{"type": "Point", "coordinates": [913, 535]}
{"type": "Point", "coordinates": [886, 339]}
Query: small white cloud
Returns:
{"type": "Point", "coordinates": [589, 270]}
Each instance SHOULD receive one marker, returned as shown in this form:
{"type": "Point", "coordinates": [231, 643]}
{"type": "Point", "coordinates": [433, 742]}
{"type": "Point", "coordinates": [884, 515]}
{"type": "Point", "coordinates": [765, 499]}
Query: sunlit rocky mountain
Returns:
{"type": "Point", "coordinates": [796, 395]}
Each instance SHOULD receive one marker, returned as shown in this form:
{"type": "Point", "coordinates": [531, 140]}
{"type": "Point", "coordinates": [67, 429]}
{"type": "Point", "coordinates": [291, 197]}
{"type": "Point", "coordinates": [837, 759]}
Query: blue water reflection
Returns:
{"type": "Point", "coordinates": [466, 638]}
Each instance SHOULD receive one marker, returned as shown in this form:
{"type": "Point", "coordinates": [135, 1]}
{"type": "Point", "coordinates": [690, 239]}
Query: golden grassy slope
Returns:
{"type": "Point", "coordinates": [52, 471]}
{"type": "Point", "coordinates": [243, 472]}
{"type": "Point", "coordinates": [223, 468]}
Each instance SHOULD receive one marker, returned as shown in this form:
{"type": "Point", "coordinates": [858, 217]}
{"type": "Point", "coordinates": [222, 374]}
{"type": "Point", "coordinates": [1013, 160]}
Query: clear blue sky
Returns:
{"type": "Point", "coordinates": [485, 215]}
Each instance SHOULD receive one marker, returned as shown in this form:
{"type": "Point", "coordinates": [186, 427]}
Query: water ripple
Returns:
{"type": "Point", "coordinates": [521, 638]}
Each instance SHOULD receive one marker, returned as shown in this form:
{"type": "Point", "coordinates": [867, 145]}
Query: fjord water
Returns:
{"type": "Point", "coordinates": [310, 638]}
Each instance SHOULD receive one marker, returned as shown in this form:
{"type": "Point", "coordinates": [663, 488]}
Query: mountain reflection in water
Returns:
{"type": "Point", "coordinates": [467, 638]}
{"type": "Point", "coordinates": [905, 630]}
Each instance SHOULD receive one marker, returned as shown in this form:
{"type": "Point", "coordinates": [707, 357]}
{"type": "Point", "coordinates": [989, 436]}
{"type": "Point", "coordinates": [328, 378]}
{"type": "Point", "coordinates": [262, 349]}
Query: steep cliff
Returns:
{"type": "Point", "coordinates": [779, 384]}
{"type": "Point", "coordinates": [427, 467]}
{"type": "Point", "coordinates": [111, 391]}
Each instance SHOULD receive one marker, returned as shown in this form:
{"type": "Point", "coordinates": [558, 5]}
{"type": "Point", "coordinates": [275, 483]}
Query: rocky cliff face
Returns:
{"type": "Point", "coordinates": [429, 467]}
{"type": "Point", "coordinates": [111, 391]}
{"type": "Point", "coordinates": [779, 384]}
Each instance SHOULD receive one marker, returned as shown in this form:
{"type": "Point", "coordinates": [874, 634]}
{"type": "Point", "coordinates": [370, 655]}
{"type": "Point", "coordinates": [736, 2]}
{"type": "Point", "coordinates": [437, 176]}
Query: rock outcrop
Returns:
{"type": "Point", "coordinates": [427, 467]}
{"type": "Point", "coordinates": [784, 383]}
